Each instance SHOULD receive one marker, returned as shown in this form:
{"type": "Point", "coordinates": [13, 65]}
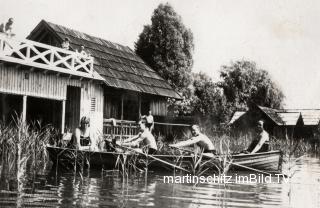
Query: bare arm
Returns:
{"type": "Point", "coordinates": [94, 140]}
{"type": "Point", "coordinates": [132, 138]}
{"type": "Point", "coordinates": [188, 142]}
{"type": "Point", "coordinates": [260, 143]}
{"type": "Point", "coordinates": [77, 136]}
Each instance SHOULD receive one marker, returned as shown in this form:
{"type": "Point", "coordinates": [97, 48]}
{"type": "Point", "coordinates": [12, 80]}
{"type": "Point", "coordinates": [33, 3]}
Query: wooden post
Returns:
{"type": "Point", "coordinates": [122, 107]}
{"type": "Point", "coordinates": [63, 113]}
{"type": "Point", "coordinates": [24, 109]}
{"type": "Point", "coordinates": [139, 103]}
{"type": "Point", "coordinates": [121, 116]}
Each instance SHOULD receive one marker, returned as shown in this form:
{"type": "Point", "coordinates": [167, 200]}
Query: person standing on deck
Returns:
{"type": "Point", "coordinates": [198, 139]}
{"type": "Point", "coordinates": [83, 137]}
{"type": "Point", "coordinates": [261, 142]}
{"type": "Point", "coordinates": [143, 139]}
{"type": "Point", "coordinates": [150, 120]}
{"type": "Point", "coordinates": [66, 44]}
{"type": "Point", "coordinates": [7, 28]}
{"type": "Point", "coordinates": [82, 51]}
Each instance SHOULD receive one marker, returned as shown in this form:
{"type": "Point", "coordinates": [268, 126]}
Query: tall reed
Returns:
{"type": "Point", "coordinates": [22, 147]}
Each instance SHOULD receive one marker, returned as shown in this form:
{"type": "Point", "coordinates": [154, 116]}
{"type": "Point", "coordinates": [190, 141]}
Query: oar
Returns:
{"type": "Point", "coordinates": [155, 158]}
{"type": "Point", "coordinates": [231, 163]}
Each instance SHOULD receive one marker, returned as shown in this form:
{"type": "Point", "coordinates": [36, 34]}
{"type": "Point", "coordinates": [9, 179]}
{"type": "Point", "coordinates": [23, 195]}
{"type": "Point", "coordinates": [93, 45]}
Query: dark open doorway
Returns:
{"type": "Point", "coordinates": [10, 107]}
{"type": "Point", "coordinates": [43, 112]}
{"type": "Point", "coordinates": [73, 107]}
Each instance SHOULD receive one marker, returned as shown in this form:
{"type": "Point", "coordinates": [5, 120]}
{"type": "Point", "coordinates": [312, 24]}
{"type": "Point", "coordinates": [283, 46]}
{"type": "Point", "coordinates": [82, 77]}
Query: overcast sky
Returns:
{"type": "Point", "coordinates": [281, 36]}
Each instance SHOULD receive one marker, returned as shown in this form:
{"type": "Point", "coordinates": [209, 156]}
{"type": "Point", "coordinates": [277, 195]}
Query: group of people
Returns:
{"type": "Point", "coordinates": [66, 45]}
{"type": "Point", "coordinates": [145, 142]}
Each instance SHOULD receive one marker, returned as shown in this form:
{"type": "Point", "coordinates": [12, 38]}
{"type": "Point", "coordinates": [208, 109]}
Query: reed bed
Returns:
{"type": "Point", "coordinates": [22, 148]}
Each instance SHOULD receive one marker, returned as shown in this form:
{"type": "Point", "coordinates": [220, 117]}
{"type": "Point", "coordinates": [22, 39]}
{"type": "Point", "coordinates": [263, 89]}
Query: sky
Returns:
{"type": "Point", "coordinates": [281, 36]}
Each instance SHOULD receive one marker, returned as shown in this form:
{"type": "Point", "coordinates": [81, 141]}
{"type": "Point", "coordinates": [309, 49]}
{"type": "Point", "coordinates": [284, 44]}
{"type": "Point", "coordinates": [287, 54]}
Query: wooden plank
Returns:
{"type": "Point", "coordinates": [24, 109]}
{"type": "Point", "coordinates": [63, 113]}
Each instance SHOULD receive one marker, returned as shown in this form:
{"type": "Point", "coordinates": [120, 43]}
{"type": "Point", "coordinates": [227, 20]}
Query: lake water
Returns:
{"type": "Point", "coordinates": [97, 189]}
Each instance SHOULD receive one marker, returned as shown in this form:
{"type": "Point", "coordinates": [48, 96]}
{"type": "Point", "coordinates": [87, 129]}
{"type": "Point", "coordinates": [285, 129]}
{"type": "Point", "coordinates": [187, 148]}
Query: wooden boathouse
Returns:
{"type": "Point", "coordinates": [43, 82]}
{"type": "Point", "coordinates": [281, 123]}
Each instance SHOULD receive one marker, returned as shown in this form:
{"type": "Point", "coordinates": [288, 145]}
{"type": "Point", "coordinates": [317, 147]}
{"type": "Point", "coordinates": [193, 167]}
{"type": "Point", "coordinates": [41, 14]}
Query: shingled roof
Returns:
{"type": "Point", "coordinates": [273, 114]}
{"type": "Point", "coordinates": [287, 117]}
{"type": "Point", "coordinates": [119, 66]}
{"type": "Point", "coordinates": [311, 117]}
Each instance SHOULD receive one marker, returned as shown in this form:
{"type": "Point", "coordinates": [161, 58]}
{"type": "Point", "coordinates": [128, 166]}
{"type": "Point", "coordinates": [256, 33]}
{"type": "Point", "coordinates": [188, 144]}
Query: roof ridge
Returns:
{"type": "Point", "coordinates": [288, 112]}
{"type": "Point", "coordinates": [117, 44]}
{"type": "Point", "coordinates": [140, 61]}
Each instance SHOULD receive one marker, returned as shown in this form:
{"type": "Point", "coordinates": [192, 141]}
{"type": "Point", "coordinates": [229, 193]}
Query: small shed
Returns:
{"type": "Point", "coordinates": [278, 122]}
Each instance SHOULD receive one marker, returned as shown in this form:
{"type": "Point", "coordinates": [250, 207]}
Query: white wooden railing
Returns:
{"type": "Point", "coordinates": [119, 129]}
{"type": "Point", "coordinates": [44, 56]}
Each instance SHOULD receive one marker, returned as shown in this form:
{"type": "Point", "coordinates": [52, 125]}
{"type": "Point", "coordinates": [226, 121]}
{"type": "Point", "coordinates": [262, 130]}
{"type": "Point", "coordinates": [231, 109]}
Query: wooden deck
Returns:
{"type": "Point", "coordinates": [46, 57]}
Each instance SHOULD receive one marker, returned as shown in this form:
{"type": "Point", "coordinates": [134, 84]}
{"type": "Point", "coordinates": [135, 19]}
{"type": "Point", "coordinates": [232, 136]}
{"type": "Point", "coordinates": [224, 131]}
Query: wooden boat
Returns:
{"type": "Point", "coordinates": [267, 161]}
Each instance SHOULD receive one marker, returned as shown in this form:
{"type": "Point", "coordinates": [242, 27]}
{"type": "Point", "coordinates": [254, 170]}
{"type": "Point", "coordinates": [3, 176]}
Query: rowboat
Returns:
{"type": "Point", "coordinates": [268, 161]}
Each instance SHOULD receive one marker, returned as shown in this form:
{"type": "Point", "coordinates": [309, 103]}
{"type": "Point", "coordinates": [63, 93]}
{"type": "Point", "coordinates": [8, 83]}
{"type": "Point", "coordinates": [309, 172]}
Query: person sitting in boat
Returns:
{"type": "Point", "coordinates": [199, 140]}
{"type": "Point", "coordinates": [144, 139]}
{"type": "Point", "coordinates": [261, 142]}
{"type": "Point", "coordinates": [83, 137]}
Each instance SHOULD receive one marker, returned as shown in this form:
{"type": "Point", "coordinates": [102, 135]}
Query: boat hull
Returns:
{"type": "Point", "coordinates": [268, 161]}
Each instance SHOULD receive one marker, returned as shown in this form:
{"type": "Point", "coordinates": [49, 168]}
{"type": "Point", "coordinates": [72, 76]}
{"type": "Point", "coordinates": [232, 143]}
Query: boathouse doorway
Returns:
{"type": "Point", "coordinates": [10, 107]}
{"type": "Point", "coordinates": [72, 116]}
{"type": "Point", "coordinates": [42, 112]}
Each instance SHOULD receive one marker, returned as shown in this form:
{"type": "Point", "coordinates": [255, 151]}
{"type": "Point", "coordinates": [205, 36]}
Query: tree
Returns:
{"type": "Point", "coordinates": [167, 46]}
{"type": "Point", "coordinates": [244, 83]}
{"type": "Point", "coordinates": [209, 101]}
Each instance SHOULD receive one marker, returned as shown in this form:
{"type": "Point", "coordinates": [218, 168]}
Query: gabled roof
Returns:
{"type": "Point", "coordinates": [289, 118]}
{"type": "Point", "coordinates": [272, 114]}
{"type": "Point", "coordinates": [118, 65]}
{"type": "Point", "coordinates": [311, 117]}
{"type": "Point", "coordinates": [236, 116]}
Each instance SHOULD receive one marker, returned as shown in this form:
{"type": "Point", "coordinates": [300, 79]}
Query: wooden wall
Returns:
{"type": "Point", "coordinates": [16, 80]}
{"type": "Point", "coordinates": [159, 107]}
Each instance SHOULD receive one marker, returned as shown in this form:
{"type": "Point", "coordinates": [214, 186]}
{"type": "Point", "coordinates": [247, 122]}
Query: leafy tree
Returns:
{"type": "Point", "coordinates": [167, 46]}
{"type": "Point", "coordinates": [244, 83]}
{"type": "Point", "coordinates": [209, 101]}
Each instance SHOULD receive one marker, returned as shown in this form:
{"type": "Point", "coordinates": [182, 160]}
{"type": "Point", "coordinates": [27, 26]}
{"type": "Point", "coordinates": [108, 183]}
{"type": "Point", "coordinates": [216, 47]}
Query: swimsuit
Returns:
{"type": "Point", "coordinates": [85, 141]}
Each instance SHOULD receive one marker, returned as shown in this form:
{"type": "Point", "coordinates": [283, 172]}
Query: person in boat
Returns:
{"type": "Point", "coordinates": [199, 140]}
{"type": "Point", "coordinates": [144, 140]}
{"type": "Point", "coordinates": [83, 137]}
{"type": "Point", "coordinates": [261, 142]}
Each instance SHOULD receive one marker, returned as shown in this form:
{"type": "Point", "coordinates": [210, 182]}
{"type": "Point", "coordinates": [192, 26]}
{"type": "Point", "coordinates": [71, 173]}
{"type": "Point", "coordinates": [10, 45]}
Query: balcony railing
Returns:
{"type": "Point", "coordinates": [122, 129]}
{"type": "Point", "coordinates": [39, 55]}
{"type": "Point", "coordinates": [119, 129]}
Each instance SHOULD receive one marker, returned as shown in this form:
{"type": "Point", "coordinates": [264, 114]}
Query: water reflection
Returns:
{"type": "Point", "coordinates": [97, 189]}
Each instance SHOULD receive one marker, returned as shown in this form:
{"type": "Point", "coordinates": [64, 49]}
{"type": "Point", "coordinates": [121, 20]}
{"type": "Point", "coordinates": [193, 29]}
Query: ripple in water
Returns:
{"type": "Point", "coordinates": [97, 190]}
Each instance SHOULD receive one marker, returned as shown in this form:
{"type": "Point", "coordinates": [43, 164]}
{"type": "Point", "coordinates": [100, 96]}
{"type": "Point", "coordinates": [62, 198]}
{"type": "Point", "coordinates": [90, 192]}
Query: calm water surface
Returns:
{"type": "Point", "coordinates": [97, 189]}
